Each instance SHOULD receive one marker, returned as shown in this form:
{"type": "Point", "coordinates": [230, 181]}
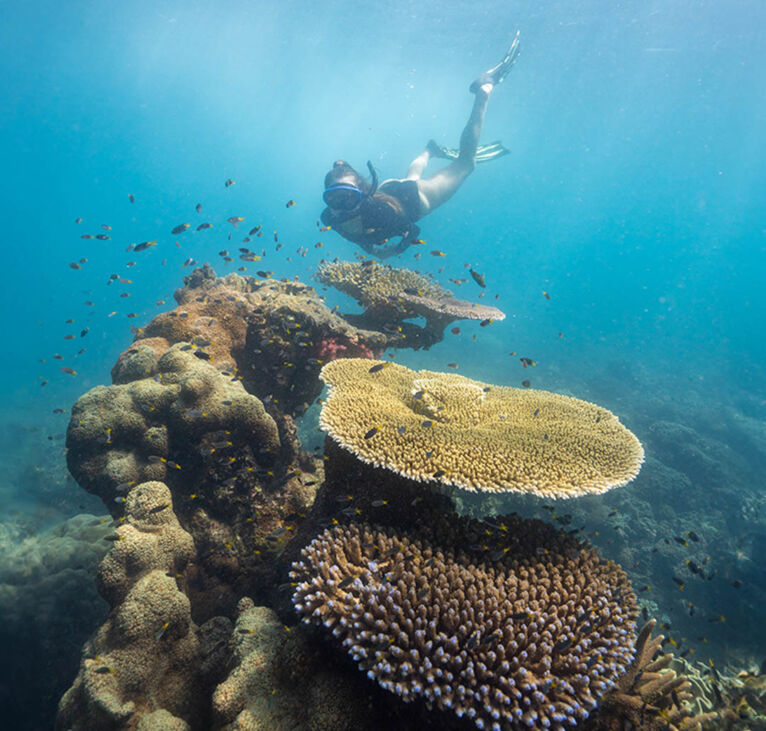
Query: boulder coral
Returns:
{"type": "Point", "coordinates": [274, 334]}
{"type": "Point", "coordinates": [147, 655]}
{"type": "Point", "coordinates": [278, 681]}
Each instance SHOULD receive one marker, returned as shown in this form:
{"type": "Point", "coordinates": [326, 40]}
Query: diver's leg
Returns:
{"type": "Point", "coordinates": [442, 186]}
{"type": "Point", "coordinates": [418, 165]}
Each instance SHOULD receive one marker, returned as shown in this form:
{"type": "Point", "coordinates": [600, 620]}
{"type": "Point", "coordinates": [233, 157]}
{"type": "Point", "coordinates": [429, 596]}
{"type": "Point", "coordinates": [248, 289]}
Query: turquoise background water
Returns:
{"type": "Point", "coordinates": [634, 193]}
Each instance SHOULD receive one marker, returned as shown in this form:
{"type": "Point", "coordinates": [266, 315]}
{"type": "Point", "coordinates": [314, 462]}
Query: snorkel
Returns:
{"type": "Point", "coordinates": [374, 174]}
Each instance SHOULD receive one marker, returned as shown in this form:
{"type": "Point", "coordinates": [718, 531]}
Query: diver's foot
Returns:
{"type": "Point", "coordinates": [492, 77]}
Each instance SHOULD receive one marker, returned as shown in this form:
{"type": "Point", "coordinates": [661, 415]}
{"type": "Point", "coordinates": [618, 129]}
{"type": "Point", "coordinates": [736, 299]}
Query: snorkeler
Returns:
{"type": "Point", "coordinates": [370, 215]}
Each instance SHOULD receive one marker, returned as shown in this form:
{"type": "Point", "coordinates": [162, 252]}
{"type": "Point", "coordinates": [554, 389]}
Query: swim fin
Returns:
{"type": "Point", "coordinates": [484, 153]}
{"type": "Point", "coordinates": [497, 73]}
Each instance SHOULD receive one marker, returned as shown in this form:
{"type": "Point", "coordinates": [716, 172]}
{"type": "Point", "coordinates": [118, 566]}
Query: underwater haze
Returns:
{"type": "Point", "coordinates": [624, 237]}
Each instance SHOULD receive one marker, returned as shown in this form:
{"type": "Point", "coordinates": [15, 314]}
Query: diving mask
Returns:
{"type": "Point", "coordinates": [342, 197]}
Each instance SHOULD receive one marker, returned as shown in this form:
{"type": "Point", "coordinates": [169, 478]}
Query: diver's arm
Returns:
{"type": "Point", "coordinates": [401, 246]}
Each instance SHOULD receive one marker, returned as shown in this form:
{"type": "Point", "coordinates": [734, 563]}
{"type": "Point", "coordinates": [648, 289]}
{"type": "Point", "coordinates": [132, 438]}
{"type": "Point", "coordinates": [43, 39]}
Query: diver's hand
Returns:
{"type": "Point", "coordinates": [385, 251]}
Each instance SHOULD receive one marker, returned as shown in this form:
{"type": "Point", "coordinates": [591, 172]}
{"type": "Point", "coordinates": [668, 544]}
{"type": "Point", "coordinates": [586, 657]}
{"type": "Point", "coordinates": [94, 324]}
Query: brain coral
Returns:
{"type": "Point", "coordinates": [438, 426]}
{"type": "Point", "coordinates": [530, 635]}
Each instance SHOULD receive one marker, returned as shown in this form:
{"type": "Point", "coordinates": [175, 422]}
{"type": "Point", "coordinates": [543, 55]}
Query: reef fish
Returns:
{"type": "Point", "coordinates": [478, 278]}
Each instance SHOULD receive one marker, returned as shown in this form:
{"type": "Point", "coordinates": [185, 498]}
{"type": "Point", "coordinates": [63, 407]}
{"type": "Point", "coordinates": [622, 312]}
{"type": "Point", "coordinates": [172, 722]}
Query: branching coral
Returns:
{"type": "Point", "coordinates": [529, 635]}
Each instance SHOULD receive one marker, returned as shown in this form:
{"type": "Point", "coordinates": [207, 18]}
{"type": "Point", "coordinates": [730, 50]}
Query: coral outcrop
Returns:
{"type": "Point", "coordinates": [274, 334]}
{"type": "Point", "coordinates": [442, 427]}
{"type": "Point", "coordinates": [147, 657]}
{"type": "Point", "coordinates": [529, 632]}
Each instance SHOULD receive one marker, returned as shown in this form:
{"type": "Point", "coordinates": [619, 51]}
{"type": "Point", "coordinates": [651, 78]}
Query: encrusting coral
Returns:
{"type": "Point", "coordinates": [442, 427]}
{"type": "Point", "coordinates": [147, 656]}
{"type": "Point", "coordinates": [277, 681]}
{"type": "Point", "coordinates": [531, 634]}
{"type": "Point", "coordinates": [390, 296]}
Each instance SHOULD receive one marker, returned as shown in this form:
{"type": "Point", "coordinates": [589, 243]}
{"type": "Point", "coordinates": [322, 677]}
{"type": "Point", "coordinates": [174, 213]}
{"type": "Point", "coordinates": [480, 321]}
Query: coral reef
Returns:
{"type": "Point", "coordinates": [392, 296]}
{"type": "Point", "coordinates": [278, 681]}
{"type": "Point", "coordinates": [444, 427]}
{"type": "Point", "coordinates": [216, 447]}
{"type": "Point", "coordinates": [530, 632]}
{"type": "Point", "coordinates": [147, 657]}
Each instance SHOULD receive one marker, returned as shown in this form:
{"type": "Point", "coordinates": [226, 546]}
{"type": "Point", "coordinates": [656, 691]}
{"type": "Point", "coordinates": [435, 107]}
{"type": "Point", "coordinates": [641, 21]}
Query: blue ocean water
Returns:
{"type": "Point", "coordinates": [634, 195]}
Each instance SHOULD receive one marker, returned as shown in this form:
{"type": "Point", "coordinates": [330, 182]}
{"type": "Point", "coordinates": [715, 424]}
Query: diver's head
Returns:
{"type": "Point", "coordinates": [344, 188]}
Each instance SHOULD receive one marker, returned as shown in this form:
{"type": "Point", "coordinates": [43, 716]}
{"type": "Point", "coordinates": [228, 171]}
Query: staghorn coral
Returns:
{"type": "Point", "coordinates": [530, 634]}
{"type": "Point", "coordinates": [391, 296]}
{"type": "Point", "coordinates": [277, 681]}
{"type": "Point", "coordinates": [444, 427]}
{"type": "Point", "coordinates": [650, 695]}
{"type": "Point", "coordinates": [146, 656]}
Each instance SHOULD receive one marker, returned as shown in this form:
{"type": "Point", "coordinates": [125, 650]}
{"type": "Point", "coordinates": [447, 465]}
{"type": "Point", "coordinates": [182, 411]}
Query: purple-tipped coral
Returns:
{"type": "Point", "coordinates": [529, 635]}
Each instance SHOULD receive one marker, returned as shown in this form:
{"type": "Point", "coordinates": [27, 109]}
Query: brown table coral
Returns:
{"type": "Point", "coordinates": [530, 634]}
{"type": "Point", "coordinates": [390, 296]}
{"type": "Point", "coordinates": [442, 427]}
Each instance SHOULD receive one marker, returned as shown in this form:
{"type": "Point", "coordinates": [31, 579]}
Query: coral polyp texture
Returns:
{"type": "Point", "coordinates": [376, 285]}
{"type": "Point", "coordinates": [529, 636]}
{"type": "Point", "coordinates": [428, 426]}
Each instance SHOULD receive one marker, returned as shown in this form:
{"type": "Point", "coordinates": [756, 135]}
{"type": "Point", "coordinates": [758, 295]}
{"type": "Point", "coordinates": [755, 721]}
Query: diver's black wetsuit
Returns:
{"type": "Point", "coordinates": [375, 221]}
